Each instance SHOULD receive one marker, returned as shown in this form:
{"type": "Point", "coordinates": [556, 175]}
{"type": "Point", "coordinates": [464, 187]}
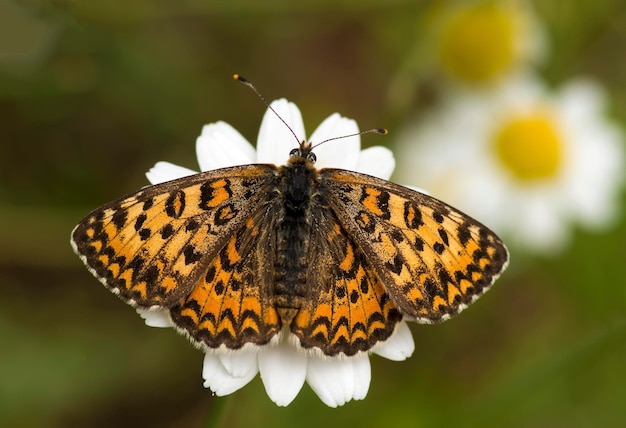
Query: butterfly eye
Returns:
{"type": "Point", "coordinates": [311, 157]}
{"type": "Point", "coordinates": [294, 152]}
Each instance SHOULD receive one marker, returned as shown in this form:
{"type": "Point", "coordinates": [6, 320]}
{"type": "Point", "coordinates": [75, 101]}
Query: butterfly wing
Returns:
{"type": "Point", "coordinates": [432, 259]}
{"type": "Point", "coordinates": [348, 309]}
{"type": "Point", "coordinates": [231, 305]}
{"type": "Point", "coordinates": [153, 246]}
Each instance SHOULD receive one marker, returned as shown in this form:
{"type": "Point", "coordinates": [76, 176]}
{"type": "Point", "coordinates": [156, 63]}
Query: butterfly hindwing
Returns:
{"type": "Point", "coordinates": [231, 304]}
{"type": "Point", "coordinates": [152, 246]}
{"type": "Point", "coordinates": [348, 309]}
{"type": "Point", "coordinates": [432, 259]}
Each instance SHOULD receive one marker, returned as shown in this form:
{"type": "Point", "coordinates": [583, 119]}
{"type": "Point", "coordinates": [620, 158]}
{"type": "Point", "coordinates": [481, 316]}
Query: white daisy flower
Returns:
{"type": "Point", "coordinates": [283, 364]}
{"type": "Point", "coordinates": [482, 42]}
{"type": "Point", "coordinates": [527, 162]}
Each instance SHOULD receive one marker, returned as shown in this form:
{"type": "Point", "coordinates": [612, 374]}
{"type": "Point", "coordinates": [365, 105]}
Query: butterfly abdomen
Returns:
{"type": "Point", "coordinates": [296, 184]}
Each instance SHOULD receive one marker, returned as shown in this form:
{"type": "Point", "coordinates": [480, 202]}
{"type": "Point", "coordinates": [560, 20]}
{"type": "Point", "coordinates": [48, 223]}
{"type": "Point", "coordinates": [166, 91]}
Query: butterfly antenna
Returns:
{"type": "Point", "coordinates": [256, 91]}
{"type": "Point", "coordinates": [382, 131]}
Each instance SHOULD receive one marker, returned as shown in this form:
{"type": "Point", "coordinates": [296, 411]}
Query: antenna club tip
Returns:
{"type": "Point", "coordinates": [239, 78]}
{"type": "Point", "coordinates": [383, 131]}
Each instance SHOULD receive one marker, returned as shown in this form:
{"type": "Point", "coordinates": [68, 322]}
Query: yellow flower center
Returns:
{"type": "Point", "coordinates": [530, 147]}
{"type": "Point", "coordinates": [479, 41]}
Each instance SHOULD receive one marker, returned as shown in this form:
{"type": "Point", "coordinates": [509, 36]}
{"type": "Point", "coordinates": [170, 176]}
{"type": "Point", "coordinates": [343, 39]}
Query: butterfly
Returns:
{"type": "Point", "coordinates": [337, 258]}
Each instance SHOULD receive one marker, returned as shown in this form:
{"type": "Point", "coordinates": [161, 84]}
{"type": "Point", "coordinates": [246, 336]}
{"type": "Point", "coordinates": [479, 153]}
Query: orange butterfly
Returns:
{"type": "Point", "coordinates": [336, 257]}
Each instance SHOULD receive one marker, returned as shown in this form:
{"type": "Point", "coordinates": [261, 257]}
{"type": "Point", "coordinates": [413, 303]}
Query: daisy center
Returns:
{"type": "Point", "coordinates": [478, 43]}
{"type": "Point", "coordinates": [530, 147]}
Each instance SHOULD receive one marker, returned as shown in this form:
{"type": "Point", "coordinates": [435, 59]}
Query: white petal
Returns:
{"type": "Point", "coordinates": [581, 100]}
{"type": "Point", "coordinates": [362, 376]}
{"type": "Point", "coordinates": [240, 363]}
{"type": "Point", "coordinates": [220, 145]}
{"type": "Point", "coordinates": [220, 380]}
{"type": "Point", "coordinates": [399, 346]}
{"type": "Point", "coordinates": [156, 318]}
{"type": "Point", "coordinates": [275, 140]}
{"type": "Point", "coordinates": [337, 380]}
{"type": "Point", "coordinates": [165, 171]}
{"type": "Point", "coordinates": [342, 153]}
{"type": "Point", "coordinates": [377, 161]}
{"type": "Point", "coordinates": [283, 370]}
{"type": "Point", "coordinates": [541, 226]}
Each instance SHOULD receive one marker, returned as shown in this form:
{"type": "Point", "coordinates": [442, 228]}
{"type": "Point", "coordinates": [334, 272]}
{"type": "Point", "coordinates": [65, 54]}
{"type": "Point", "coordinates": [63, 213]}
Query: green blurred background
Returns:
{"type": "Point", "coordinates": [92, 94]}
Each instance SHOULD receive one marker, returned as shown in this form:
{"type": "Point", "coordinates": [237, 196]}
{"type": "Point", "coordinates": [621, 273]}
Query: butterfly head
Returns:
{"type": "Point", "coordinates": [303, 153]}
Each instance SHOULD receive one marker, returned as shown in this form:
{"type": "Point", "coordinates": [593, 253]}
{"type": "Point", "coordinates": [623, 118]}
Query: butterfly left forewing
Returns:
{"type": "Point", "coordinates": [151, 247]}
{"type": "Point", "coordinates": [432, 259]}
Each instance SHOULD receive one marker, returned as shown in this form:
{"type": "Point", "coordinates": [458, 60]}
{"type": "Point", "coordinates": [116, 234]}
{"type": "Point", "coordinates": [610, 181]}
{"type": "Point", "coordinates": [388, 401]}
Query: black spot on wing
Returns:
{"type": "Point", "coordinates": [191, 256]}
{"type": "Point", "coordinates": [464, 234]}
{"type": "Point", "coordinates": [396, 265]}
{"type": "Point", "coordinates": [175, 204]}
{"type": "Point", "coordinates": [444, 236]}
{"type": "Point", "coordinates": [141, 218]}
{"type": "Point", "coordinates": [167, 231]}
{"type": "Point", "coordinates": [412, 216]}
{"type": "Point", "coordinates": [144, 234]}
{"type": "Point", "coordinates": [119, 218]}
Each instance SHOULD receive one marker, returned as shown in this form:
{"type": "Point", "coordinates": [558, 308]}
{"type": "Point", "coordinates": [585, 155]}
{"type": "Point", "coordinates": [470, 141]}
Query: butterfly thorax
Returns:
{"type": "Point", "coordinates": [296, 183]}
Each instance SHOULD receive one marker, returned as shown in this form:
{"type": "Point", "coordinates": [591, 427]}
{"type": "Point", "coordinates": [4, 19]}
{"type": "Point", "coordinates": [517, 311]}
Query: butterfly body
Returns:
{"type": "Point", "coordinates": [296, 183]}
{"type": "Point", "coordinates": [336, 258]}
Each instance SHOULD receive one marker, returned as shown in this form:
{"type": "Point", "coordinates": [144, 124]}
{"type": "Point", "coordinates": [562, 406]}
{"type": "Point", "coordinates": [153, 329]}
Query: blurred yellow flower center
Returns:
{"type": "Point", "coordinates": [478, 42]}
{"type": "Point", "coordinates": [529, 147]}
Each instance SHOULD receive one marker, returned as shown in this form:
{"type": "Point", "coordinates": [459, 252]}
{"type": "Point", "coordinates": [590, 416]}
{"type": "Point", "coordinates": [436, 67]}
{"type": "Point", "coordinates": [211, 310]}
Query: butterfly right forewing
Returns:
{"type": "Point", "coordinates": [433, 259]}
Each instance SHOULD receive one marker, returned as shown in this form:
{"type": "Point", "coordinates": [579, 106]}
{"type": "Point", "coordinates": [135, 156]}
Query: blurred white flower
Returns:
{"type": "Point", "coordinates": [485, 41]}
{"type": "Point", "coordinates": [527, 162]}
{"type": "Point", "coordinates": [283, 364]}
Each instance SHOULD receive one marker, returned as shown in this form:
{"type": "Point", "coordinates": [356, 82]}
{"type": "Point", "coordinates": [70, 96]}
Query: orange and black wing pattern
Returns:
{"type": "Point", "coordinates": [204, 248]}
{"type": "Point", "coordinates": [348, 309]}
{"type": "Point", "coordinates": [432, 259]}
{"type": "Point", "coordinates": [231, 303]}
{"type": "Point", "coordinates": [152, 247]}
